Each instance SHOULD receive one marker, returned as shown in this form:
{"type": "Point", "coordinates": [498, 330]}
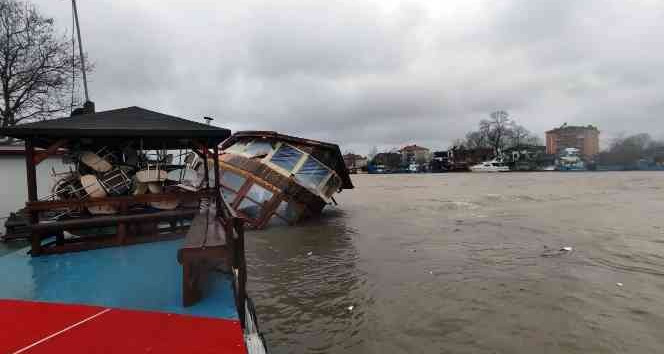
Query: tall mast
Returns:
{"type": "Point", "coordinates": [80, 51]}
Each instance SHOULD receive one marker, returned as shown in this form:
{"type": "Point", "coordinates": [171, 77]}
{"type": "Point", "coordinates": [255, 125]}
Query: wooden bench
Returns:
{"type": "Point", "coordinates": [207, 246]}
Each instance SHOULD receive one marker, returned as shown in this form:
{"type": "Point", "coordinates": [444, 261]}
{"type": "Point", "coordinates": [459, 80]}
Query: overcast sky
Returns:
{"type": "Point", "coordinates": [386, 73]}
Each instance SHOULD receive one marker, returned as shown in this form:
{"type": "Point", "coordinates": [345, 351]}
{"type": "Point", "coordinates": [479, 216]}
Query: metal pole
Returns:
{"type": "Point", "coordinates": [80, 51]}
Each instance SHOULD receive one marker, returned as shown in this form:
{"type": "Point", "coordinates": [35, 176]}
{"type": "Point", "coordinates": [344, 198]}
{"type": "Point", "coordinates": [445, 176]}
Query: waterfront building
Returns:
{"type": "Point", "coordinates": [415, 154]}
{"type": "Point", "coordinates": [355, 163]}
{"type": "Point", "coordinates": [584, 138]}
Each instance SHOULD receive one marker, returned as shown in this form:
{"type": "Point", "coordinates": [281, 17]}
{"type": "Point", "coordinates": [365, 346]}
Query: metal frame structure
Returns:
{"type": "Point", "coordinates": [135, 125]}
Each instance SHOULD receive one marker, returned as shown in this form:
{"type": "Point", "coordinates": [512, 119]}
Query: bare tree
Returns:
{"type": "Point", "coordinates": [37, 66]}
{"type": "Point", "coordinates": [498, 129]}
{"type": "Point", "coordinates": [518, 135]}
{"type": "Point", "coordinates": [475, 140]}
{"type": "Point", "coordinates": [459, 143]}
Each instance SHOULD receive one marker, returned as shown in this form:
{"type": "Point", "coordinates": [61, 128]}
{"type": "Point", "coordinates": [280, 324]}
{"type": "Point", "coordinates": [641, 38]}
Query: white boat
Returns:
{"type": "Point", "coordinates": [495, 165]}
{"type": "Point", "coordinates": [570, 160]}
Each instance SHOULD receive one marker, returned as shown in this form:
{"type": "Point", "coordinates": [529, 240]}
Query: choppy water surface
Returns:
{"type": "Point", "coordinates": [469, 263]}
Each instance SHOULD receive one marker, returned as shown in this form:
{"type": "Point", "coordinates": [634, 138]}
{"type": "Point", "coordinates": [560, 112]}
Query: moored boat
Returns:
{"type": "Point", "coordinates": [570, 160]}
{"type": "Point", "coordinates": [495, 165]}
{"type": "Point", "coordinates": [167, 281]}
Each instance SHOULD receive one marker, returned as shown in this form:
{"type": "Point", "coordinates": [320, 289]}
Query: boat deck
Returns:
{"type": "Point", "coordinates": [38, 327]}
{"type": "Point", "coordinates": [135, 292]}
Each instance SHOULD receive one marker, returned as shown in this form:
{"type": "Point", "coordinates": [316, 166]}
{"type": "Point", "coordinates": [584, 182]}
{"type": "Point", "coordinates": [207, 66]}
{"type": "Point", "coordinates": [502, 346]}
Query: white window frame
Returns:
{"type": "Point", "coordinates": [319, 188]}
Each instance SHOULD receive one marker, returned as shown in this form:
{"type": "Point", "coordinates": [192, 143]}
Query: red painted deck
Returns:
{"type": "Point", "coordinates": [38, 327]}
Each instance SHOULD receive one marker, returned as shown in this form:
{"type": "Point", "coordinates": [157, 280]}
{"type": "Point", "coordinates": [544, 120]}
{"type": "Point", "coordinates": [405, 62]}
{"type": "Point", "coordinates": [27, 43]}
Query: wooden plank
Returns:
{"type": "Point", "coordinates": [113, 219]}
{"type": "Point", "coordinates": [196, 235]}
{"type": "Point", "coordinates": [117, 200]}
{"type": "Point", "coordinates": [216, 234]}
{"type": "Point", "coordinates": [85, 244]}
{"type": "Point", "coordinates": [31, 174]}
{"type": "Point", "coordinates": [43, 155]}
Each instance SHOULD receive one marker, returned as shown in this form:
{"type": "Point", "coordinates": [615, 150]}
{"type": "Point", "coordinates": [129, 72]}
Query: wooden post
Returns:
{"type": "Point", "coordinates": [206, 152]}
{"type": "Point", "coordinates": [60, 238]}
{"type": "Point", "coordinates": [31, 178]}
{"type": "Point", "coordinates": [237, 225]}
{"type": "Point", "coordinates": [121, 235]}
{"type": "Point", "coordinates": [217, 192]}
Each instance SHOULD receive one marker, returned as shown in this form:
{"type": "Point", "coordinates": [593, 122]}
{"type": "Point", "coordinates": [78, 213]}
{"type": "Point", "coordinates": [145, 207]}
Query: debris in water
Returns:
{"type": "Point", "coordinates": [548, 252]}
{"type": "Point", "coordinates": [619, 284]}
{"type": "Point", "coordinates": [309, 253]}
{"type": "Point", "coordinates": [350, 308]}
{"type": "Point", "coordinates": [431, 272]}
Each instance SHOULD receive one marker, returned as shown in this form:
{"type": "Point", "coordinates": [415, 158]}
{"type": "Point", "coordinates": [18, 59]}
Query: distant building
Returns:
{"type": "Point", "coordinates": [415, 154]}
{"type": "Point", "coordinates": [355, 163]}
{"type": "Point", "coordinates": [460, 158]}
{"type": "Point", "coordinates": [586, 139]}
{"type": "Point", "coordinates": [440, 161]}
{"type": "Point", "coordinates": [528, 158]}
{"type": "Point", "coordinates": [387, 161]}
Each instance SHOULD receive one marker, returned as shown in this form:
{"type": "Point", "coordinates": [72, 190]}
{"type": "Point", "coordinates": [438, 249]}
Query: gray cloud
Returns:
{"type": "Point", "coordinates": [384, 73]}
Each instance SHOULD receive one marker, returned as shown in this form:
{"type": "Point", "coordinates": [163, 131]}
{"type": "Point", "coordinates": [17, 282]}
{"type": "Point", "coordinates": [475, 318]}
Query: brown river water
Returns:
{"type": "Point", "coordinates": [467, 263]}
{"type": "Point", "coordinates": [470, 263]}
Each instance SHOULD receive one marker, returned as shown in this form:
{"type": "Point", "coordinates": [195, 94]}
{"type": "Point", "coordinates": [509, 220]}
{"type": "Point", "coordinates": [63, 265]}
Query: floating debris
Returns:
{"type": "Point", "coordinates": [619, 284]}
{"type": "Point", "coordinates": [548, 252]}
{"type": "Point", "coordinates": [309, 253]}
{"type": "Point", "coordinates": [349, 308]}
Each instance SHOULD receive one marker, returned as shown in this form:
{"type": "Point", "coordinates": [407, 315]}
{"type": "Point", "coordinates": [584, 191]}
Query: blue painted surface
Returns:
{"type": "Point", "coordinates": [142, 277]}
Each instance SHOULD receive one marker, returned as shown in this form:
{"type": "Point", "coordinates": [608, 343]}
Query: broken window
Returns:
{"type": "Point", "coordinates": [276, 220]}
{"type": "Point", "coordinates": [232, 180]}
{"type": "Point", "coordinates": [332, 185]}
{"type": "Point", "coordinates": [259, 194]}
{"type": "Point", "coordinates": [250, 209]}
{"type": "Point", "coordinates": [286, 157]}
{"type": "Point", "coordinates": [237, 147]}
{"type": "Point", "coordinates": [312, 173]}
{"type": "Point", "coordinates": [259, 148]}
{"type": "Point", "coordinates": [229, 195]}
{"type": "Point", "coordinates": [288, 211]}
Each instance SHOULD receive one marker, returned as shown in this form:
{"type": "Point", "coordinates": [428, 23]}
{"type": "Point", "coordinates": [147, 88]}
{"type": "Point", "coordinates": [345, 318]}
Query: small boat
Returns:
{"type": "Point", "coordinates": [570, 160]}
{"type": "Point", "coordinates": [495, 165]}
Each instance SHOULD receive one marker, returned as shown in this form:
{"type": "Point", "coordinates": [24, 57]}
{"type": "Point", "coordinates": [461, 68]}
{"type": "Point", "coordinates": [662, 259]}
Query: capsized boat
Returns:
{"type": "Point", "coordinates": [272, 178]}
{"type": "Point", "coordinates": [495, 165]}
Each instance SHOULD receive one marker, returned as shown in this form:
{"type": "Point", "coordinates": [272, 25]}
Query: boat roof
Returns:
{"type": "Point", "coordinates": [327, 153]}
{"type": "Point", "coordinates": [157, 129]}
{"type": "Point", "coordinates": [139, 277]}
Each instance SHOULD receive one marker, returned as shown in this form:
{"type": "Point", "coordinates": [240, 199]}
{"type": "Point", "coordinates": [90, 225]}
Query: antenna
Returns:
{"type": "Point", "coordinates": [80, 51]}
{"type": "Point", "coordinates": [208, 119]}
